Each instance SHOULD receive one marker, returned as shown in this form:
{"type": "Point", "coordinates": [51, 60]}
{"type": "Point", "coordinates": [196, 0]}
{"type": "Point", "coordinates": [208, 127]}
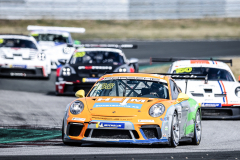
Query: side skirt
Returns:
{"type": "Point", "coordinates": [185, 139]}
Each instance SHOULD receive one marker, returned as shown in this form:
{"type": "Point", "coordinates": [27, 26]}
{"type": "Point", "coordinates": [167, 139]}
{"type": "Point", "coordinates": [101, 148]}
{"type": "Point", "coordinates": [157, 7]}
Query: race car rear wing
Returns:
{"type": "Point", "coordinates": [177, 59]}
{"type": "Point", "coordinates": [118, 46]}
{"type": "Point", "coordinates": [179, 76]}
{"type": "Point", "coordinates": [186, 77]}
{"type": "Point", "coordinates": [51, 28]}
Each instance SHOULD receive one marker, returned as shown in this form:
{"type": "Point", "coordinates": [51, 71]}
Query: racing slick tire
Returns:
{"type": "Point", "coordinates": [69, 143]}
{"type": "Point", "coordinates": [136, 68]}
{"type": "Point", "coordinates": [175, 131]}
{"type": "Point", "coordinates": [197, 129]}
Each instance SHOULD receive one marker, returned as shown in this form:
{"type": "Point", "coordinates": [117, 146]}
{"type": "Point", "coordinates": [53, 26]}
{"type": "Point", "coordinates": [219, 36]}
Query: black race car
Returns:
{"type": "Point", "coordinates": [89, 62]}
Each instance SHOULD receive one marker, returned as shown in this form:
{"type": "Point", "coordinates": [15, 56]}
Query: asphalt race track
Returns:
{"type": "Point", "coordinates": [29, 103]}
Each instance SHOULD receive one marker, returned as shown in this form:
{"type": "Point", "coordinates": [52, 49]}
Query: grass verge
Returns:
{"type": "Point", "coordinates": [216, 28]}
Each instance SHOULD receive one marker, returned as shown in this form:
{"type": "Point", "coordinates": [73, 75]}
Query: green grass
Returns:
{"type": "Point", "coordinates": [23, 135]}
{"type": "Point", "coordinates": [138, 29]}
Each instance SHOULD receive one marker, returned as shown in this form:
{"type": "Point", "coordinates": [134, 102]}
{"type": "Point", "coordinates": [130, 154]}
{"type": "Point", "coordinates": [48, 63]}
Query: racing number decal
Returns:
{"type": "Point", "coordinates": [182, 70]}
{"type": "Point", "coordinates": [79, 54]}
{"type": "Point", "coordinates": [104, 86]}
{"type": "Point", "coordinates": [34, 34]}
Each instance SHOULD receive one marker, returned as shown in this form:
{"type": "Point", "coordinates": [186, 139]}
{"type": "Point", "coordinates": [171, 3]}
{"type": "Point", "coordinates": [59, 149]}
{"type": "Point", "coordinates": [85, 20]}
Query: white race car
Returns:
{"type": "Point", "coordinates": [20, 56]}
{"type": "Point", "coordinates": [219, 95]}
{"type": "Point", "coordinates": [53, 40]}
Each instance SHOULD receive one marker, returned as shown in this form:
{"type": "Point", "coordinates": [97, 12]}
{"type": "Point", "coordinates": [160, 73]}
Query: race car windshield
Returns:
{"type": "Point", "coordinates": [130, 88]}
{"type": "Point", "coordinates": [17, 43]}
{"type": "Point", "coordinates": [96, 57]}
{"type": "Point", "coordinates": [57, 38]}
{"type": "Point", "coordinates": [214, 74]}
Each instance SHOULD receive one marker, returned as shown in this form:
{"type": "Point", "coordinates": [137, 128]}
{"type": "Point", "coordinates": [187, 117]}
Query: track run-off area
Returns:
{"type": "Point", "coordinates": [31, 115]}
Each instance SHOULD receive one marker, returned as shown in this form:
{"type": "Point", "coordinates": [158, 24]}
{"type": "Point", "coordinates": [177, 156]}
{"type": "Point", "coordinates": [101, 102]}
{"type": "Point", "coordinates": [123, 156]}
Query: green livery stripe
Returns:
{"type": "Point", "coordinates": [191, 116]}
{"type": "Point", "coordinates": [192, 102]}
{"type": "Point", "coordinates": [192, 111]}
{"type": "Point", "coordinates": [189, 129]}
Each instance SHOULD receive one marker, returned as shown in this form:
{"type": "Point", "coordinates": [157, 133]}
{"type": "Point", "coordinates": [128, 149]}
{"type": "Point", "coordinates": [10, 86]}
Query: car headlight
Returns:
{"type": "Point", "coordinates": [76, 107]}
{"type": "Point", "coordinates": [66, 71]}
{"type": "Point", "coordinates": [122, 70]}
{"type": "Point", "coordinates": [66, 50]}
{"type": "Point", "coordinates": [41, 56]}
{"type": "Point", "coordinates": [157, 110]}
{"type": "Point", "coordinates": [237, 92]}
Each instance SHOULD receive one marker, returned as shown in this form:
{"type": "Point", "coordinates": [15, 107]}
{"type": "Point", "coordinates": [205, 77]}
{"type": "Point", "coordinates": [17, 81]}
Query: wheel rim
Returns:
{"type": "Point", "coordinates": [175, 129]}
{"type": "Point", "coordinates": [198, 127]}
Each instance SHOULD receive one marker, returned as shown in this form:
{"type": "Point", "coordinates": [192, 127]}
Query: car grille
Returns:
{"type": "Point", "coordinates": [29, 72]}
{"type": "Point", "coordinates": [216, 112]}
{"type": "Point", "coordinates": [74, 129]}
{"type": "Point", "coordinates": [74, 88]}
{"type": "Point", "coordinates": [151, 131]}
{"type": "Point", "coordinates": [111, 134]}
{"type": "Point", "coordinates": [208, 90]}
{"type": "Point", "coordinates": [197, 94]}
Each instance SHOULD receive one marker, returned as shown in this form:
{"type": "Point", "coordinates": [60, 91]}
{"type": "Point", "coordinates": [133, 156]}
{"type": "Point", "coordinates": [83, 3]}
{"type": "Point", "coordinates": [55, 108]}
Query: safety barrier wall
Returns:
{"type": "Point", "coordinates": [117, 9]}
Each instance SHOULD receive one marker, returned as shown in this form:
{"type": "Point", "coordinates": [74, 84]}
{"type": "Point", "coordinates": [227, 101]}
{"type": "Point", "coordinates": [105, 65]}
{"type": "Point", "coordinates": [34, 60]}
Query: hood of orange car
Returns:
{"type": "Point", "coordinates": [120, 106]}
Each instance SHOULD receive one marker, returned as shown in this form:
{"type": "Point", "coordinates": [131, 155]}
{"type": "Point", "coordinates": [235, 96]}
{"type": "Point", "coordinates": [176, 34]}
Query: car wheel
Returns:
{"type": "Point", "coordinates": [175, 132]}
{"type": "Point", "coordinates": [197, 130]}
{"type": "Point", "coordinates": [68, 143]}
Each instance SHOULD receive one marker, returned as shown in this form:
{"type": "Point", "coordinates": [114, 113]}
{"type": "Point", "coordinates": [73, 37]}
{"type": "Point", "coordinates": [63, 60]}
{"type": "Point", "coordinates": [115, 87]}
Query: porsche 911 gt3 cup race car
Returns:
{"type": "Point", "coordinates": [88, 64]}
{"type": "Point", "coordinates": [133, 108]}
{"type": "Point", "coordinates": [219, 96]}
{"type": "Point", "coordinates": [53, 40]}
{"type": "Point", "coordinates": [20, 56]}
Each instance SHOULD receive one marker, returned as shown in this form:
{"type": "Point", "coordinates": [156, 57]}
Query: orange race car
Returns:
{"type": "Point", "coordinates": [133, 108]}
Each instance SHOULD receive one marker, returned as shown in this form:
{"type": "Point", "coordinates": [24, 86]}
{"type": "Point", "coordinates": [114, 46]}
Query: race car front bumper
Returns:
{"type": "Point", "coordinates": [70, 88]}
{"type": "Point", "coordinates": [30, 72]}
{"type": "Point", "coordinates": [232, 112]}
{"type": "Point", "coordinates": [123, 133]}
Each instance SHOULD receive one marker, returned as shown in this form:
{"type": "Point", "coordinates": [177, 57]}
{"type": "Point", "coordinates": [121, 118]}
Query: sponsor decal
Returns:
{"type": "Point", "coordinates": [18, 74]}
{"type": "Point", "coordinates": [145, 120]}
{"type": "Point", "coordinates": [211, 105]}
{"type": "Point", "coordinates": [101, 86]}
{"type": "Point", "coordinates": [164, 136]}
{"type": "Point", "coordinates": [164, 119]}
{"type": "Point", "coordinates": [89, 80]}
{"type": "Point", "coordinates": [79, 54]}
{"type": "Point", "coordinates": [78, 119]}
{"type": "Point", "coordinates": [120, 99]}
{"type": "Point", "coordinates": [34, 34]}
{"type": "Point", "coordinates": [95, 67]}
{"type": "Point", "coordinates": [127, 105]}
{"type": "Point", "coordinates": [199, 62]}
{"type": "Point", "coordinates": [110, 125]}
{"type": "Point", "coordinates": [166, 128]}
{"type": "Point", "coordinates": [182, 70]}
{"type": "Point", "coordinates": [18, 66]}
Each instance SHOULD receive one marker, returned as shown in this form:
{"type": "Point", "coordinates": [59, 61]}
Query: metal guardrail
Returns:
{"type": "Point", "coordinates": [117, 9]}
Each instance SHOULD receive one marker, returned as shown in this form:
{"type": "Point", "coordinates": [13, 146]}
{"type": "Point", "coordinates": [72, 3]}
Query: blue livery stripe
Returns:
{"type": "Point", "coordinates": [221, 90]}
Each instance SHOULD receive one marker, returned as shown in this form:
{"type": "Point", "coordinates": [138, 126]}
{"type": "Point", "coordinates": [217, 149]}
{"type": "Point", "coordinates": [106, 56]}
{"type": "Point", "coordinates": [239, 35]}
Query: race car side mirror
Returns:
{"type": "Point", "coordinates": [133, 60]}
{"type": "Point", "coordinates": [80, 93]}
{"type": "Point", "coordinates": [62, 61]}
{"type": "Point", "coordinates": [69, 45]}
{"type": "Point", "coordinates": [182, 97]}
